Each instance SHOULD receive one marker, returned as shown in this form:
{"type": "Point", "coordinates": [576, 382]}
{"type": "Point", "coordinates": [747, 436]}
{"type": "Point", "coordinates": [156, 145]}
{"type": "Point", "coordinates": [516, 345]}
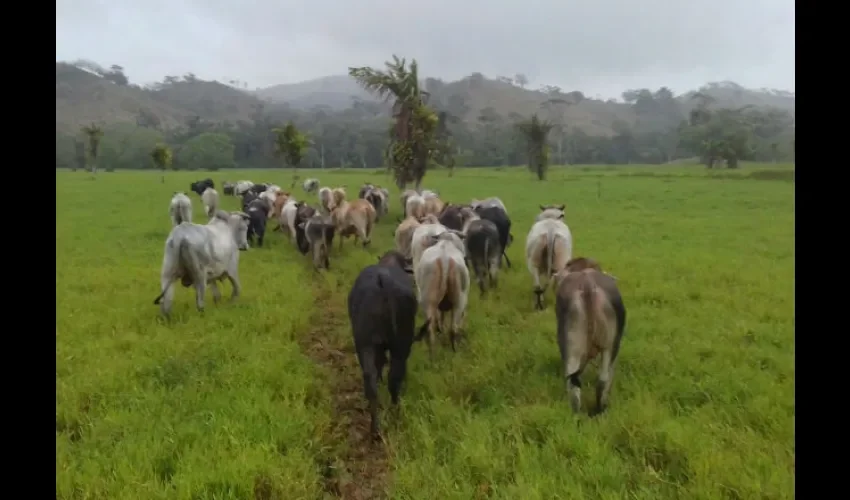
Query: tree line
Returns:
{"type": "Point", "coordinates": [426, 131]}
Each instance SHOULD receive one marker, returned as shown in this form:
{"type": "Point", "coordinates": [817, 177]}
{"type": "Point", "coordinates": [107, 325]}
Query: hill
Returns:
{"type": "Point", "coordinates": [732, 95]}
{"type": "Point", "coordinates": [83, 96]}
{"type": "Point", "coordinates": [477, 99]}
{"type": "Point", "coordinates": [336, 92]}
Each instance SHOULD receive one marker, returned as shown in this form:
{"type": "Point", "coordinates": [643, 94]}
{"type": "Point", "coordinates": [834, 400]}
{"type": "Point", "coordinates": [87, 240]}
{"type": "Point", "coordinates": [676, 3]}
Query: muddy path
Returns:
{"type": "Point", "coordinates": [357, 467]}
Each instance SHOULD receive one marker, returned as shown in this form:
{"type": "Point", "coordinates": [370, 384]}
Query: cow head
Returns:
{"type": "Point", "coordinates": [239, 222]}
{"type": "Point", "coordinates": [551, 212]}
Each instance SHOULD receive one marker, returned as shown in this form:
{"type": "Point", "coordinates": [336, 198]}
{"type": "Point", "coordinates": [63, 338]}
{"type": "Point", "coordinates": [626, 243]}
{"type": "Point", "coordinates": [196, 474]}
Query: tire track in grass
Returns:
{"type": "Point", "coordinates": [358, 469]}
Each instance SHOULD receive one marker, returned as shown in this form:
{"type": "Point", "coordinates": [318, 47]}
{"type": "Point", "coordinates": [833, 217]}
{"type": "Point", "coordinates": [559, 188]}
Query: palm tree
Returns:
{"type": "Point", "coordinates": [94, 134]}
{"type": "Point", "coordinates": [536, 132]}
{"type": "Point", "coordinates": [412, 136]}
{"type": "Point", "coordinates": [161, 156]}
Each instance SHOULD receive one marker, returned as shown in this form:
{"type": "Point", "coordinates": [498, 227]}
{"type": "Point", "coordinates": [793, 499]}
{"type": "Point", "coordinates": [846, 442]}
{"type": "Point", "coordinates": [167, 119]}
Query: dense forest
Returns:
{"type": "Point", "coordinates": [213, 125]}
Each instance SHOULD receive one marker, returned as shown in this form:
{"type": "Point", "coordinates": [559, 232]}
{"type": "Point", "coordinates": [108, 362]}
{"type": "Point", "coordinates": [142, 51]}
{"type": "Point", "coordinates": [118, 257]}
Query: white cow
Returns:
{"type": "Point", "coordinates": [287, 216]}
{"type": "Point", "coordinates": [180, 209]}
{"type": "Point", "coordinates": [422, 240]}
{"type": "Point", "coordinates": [210, 199]}
{"type": "Point", "coordinates": [548, 248]}
{"type": "Point", "coordinates": [199, 254]}
{"type": "Point", "coordinates": [326, 199]}
{"type": "Point", "coordinates": [443, 281]}
{"type": "Point", "coordinates": [241, 187]}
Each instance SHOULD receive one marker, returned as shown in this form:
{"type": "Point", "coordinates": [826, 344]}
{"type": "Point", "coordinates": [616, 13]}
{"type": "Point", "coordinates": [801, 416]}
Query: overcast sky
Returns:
{"type": "Point", "coordinates": [596, 46]}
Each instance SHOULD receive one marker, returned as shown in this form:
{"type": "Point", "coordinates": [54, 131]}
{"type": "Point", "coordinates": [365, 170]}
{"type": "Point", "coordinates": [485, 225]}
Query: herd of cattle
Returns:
{"type": "Point", "coordinates": [435, 242]}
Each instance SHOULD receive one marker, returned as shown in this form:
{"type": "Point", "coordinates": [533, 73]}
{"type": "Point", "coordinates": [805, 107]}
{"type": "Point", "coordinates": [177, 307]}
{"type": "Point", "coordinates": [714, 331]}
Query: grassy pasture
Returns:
{"type": "Point", "coordinates": [231, 404]}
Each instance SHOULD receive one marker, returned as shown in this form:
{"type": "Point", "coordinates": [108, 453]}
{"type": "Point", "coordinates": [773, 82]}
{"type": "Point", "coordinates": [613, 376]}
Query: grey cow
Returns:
{"type": "Point", "coordinates": [196, 254]}
{"type": "Point", "coordinates": [319, 232]}
{"type": "Point", "coordinates": [591, 318]}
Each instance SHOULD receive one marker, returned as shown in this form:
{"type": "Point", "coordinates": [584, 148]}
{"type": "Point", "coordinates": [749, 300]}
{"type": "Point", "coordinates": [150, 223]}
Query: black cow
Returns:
{"type": "Point", "coordinates": [258, 214]}
{"type": "Point", "coordinates": [258, 188]}
{"type": "Point", "coordinates": [247, 198]}
{"type": "Point", "coordinates": [500, 218]}
{"type": "Point", "coordinates": [200, 186]}
{"type": "Point", "coordinates": [382, 310]}
{"type": "Point", "coordinates": [228, 188]}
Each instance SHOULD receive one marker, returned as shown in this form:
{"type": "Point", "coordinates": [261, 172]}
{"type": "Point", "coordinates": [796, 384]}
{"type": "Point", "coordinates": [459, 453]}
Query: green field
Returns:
{"type": "Point", "coordinates": [263, 398]}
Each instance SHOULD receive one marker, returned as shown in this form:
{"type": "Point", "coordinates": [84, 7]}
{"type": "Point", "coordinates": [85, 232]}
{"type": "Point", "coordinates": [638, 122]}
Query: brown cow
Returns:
{"type": "Point", "coordinates": [433, 206]}
{"type": "Point", "coordinates": [355, 218]}
{"type": "Point", "coordinates": [455, 216]}
{"type": "Point", "coordinates": [338, 195]}
{"type": "Point", "coordinates": [590, 320]}
{"type": "Point", "coordinates": [404, 233]}
{"type": "Point", "coordinates": [277, 207]}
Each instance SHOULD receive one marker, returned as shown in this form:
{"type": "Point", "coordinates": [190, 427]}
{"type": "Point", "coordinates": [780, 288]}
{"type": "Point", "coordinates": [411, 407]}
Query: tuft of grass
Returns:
{"type": "Point", "coordinates": [229, 403]}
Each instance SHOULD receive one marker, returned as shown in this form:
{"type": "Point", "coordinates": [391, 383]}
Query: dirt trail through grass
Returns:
{"type": "Point", "coordinates": [358, 467]}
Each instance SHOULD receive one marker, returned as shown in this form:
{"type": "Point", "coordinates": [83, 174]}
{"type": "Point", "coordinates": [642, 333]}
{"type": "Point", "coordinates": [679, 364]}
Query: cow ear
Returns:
{"type": "Point", "coordinates": [561, 216]}
{"type": "Point", "coordinates": [561, 207]}
{"type": "Point", "coordinates": [542, 208]}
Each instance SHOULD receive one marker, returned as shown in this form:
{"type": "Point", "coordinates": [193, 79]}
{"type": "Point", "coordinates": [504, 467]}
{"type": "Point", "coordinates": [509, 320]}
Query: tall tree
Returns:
{"type": "Point", "coordinates": [161, 156]}
{"type": "Point", "coordinates": [536, 132]}
{"type": "Point", "coordinates": [291, 145]}
{"type": "Point", "coordinates": [94, 134]}
{"type": "Point", "coordinates": [413, 133]}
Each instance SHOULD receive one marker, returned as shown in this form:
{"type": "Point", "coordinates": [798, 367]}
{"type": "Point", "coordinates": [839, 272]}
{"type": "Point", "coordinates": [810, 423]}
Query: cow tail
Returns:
{"type": "Point", "coordinates": [550, 250]}
{"type": "Point", "coordinates": [180, 247]}
{"type": "Point", "coordinates": [388, 296]}
{"type": "Point", "coordinates": [592, 304]}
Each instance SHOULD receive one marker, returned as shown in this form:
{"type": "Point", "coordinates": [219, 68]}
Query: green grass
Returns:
{"type": "Point", "coordinates": [228, 405]}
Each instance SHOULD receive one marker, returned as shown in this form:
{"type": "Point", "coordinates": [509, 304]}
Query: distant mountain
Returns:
{"type": "Point", "coordinates": [83, 96]}
{"type": "Point", "coordinates": [732, 95]}
{"type": "Point", "coordinates": [476, 96]}
{"type": "Point", "coordinates": [337, 92]}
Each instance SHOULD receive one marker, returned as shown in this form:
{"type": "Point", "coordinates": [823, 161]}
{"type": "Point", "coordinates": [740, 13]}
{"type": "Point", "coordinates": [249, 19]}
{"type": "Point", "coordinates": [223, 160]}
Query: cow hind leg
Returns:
{"type": "Point", "coordinates": [603, 384]}
{"type": "Point", "coordinates": [167, 285]}
{"type": "Point", "coordinates": [199, 278]}
{"type": "Point", "coordinates": [233, 277]}
{"type": "Point", "coordinates": [539, 291]}
{"type": "Point", "coordinates": [479, 276]}
{"type": "Point", "coordinates": [493, 272]}
{"type": "Point", "coordinates": [574, 391]}
{"type": "Point", "coordinates": [215, 292]}
{"type": "Point", "coordinates": [370, 387]}
{"type": "Point", "coordinates": [398, 370]}
{"type": "Point", "coordinates": [433, 318]}
{"type": "Point", "coordinates": [200, 290]}
{"type": "Point", "coordinates": [380, 361]}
